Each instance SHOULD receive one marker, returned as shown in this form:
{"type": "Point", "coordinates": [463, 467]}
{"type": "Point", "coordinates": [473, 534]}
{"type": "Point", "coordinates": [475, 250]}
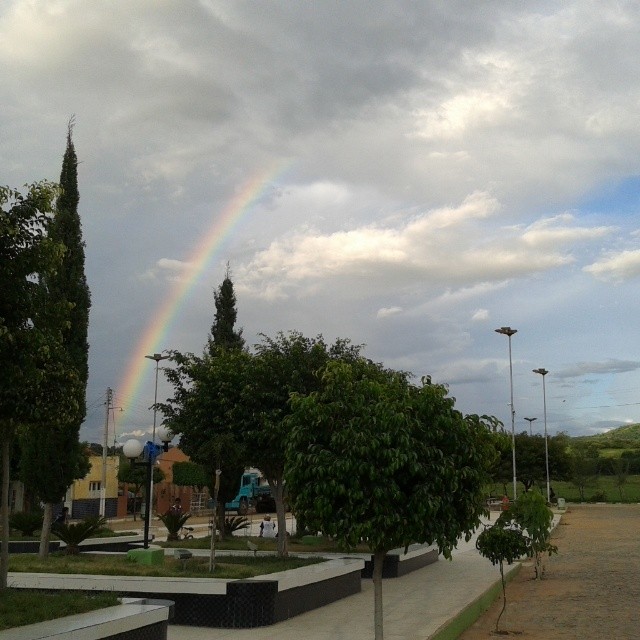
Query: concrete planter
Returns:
{"type": "Point", "coordinates": [210, 602]}
{"type": "Point", "coordinates": [134, 619]}
{"type": "Point", "coordinates": [30, 546]}
{"type": "Point", "coordinates": [398, 563]}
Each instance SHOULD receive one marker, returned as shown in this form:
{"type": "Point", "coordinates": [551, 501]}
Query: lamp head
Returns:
{"type": "Point", "coordinates": [165, 436]}
{"type": "Point", "coordinates": [542, 371]}
{"type": "Point", "coordinates": [132, 449]}
{"type": "Point", "coordinates": [157, 357]}
{"type": "Point", "coordinates": [506, 331]}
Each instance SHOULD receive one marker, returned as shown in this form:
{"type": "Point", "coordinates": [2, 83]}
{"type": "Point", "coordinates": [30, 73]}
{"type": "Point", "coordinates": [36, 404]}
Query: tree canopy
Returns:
{"type": "Point", "coordinates": [29, 337]}
{"type": "Point", "coordinates": [372, 457]}
{"type": "Point", "coordinates": [530, 460]}
{"type": "Point", "coordinates": [50, 470]}
{"type": "Point", "coordinates": [223, 332]}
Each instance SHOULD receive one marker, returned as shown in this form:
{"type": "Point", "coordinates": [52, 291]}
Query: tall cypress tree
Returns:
{"type": "Point", "coordinates": [52, 454]}
{"type": "Point", "coordinates": [70, 282]}
{"type": "Point", "coordinates": [223, 333]}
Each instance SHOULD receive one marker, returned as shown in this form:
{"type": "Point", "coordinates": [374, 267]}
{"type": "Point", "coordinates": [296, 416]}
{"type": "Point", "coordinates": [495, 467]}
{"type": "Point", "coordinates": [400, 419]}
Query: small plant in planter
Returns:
{"type": "Point", "coordinates": [27, 523]}
{"type": "Point", "coordinates": [174, 522]}
{"type": "Point", "coordinates": [74, 534]}
{"type": "Point", "coordinates": [501, 544]}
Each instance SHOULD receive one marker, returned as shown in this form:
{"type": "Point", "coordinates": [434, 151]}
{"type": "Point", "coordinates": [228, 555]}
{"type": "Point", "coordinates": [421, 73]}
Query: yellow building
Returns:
{"type": "Point", "coordinates": [85, 495]}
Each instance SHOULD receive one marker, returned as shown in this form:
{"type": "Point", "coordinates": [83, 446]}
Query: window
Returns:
{"type": "Point", "coordinates": [94, 485]}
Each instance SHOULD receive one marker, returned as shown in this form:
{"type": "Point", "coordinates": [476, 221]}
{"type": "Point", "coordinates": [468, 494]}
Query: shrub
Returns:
{"type": "Point", "coordinates": [74, 534]}
{"type": "Point", "coordinates": [530, 513]}
{"type": "Point", "coordinates": [27, 523]}
{"type": "Point", "coordinates": [174, 522]}
{"type": "Point", "coordinates": [235, 523]}
{"type": "Point", "coordinates": [598, 496]}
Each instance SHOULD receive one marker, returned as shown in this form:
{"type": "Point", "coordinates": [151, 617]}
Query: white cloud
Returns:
{"type": "Point", "coordinates": [168, 269]}
{"type": "Point", "coordinates": [444, 246]}
{"type": "Point", "coordinates": [385, 312]}
{"type": "Point", "coordinates": [617, 268]}
{"type": "Point", "coordinates": [480, 315]}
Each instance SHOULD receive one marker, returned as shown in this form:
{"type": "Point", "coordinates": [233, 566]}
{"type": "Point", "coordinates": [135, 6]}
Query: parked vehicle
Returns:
{"type": "Point", "coordinates": [254, 493]}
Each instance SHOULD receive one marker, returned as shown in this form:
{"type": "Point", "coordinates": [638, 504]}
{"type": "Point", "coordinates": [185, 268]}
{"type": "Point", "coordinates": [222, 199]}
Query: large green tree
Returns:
{"type": "Point", "coordinates": [230, 407]}
{"type": "Point", "coordinates": [585, 460]}
{"type": "Point", "coordinates": [29, 340]}
{"type": "Point", "coordinates": [223, 332]}
{"type": "Point", "coordinates": [531, 462]}
{"type": "Point", "coordinates": [205, 410]}
{"type": "Point", "coordinates": [286, 364]}
{"type": "Point", "coordinates": [372, 457]}
{"type": "Point", "coordinates": [59, 463]}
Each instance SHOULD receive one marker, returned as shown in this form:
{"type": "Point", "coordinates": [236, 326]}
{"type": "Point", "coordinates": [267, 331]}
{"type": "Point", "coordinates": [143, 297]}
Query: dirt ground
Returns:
{"type": "Point", "coordinates": [591, 589]}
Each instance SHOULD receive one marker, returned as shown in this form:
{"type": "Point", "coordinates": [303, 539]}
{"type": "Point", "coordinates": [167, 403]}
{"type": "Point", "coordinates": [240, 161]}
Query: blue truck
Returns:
{"type": "Point", "coordinates": [254, 493]}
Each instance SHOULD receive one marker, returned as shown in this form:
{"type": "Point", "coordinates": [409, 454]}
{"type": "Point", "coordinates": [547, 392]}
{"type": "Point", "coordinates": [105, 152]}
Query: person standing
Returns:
{"type": "Point", "coordinates": [267, 528]}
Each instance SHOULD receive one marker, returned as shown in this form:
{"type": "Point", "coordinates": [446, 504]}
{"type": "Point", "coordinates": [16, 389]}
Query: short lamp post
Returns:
{"type": "Point", "coordinates": [543, 372]}
{"type": "Point", "coordinates": [508, 331]}
{"type": "Point", "coordinates": [140, 455]}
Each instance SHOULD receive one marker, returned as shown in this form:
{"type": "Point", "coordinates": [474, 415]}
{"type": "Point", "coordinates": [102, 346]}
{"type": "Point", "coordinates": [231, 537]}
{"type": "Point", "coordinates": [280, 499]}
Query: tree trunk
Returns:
{"type": "Point", "coordinates": [212, 552]}
{"type": "Point", "coordinates": [277, 488]}
{"type": "Point", "coordinates": [45, 534]}
{"type": "Point", "coordinates": [378, 562]}
{"type": "Point", "coordinates": [4, 510]}
{"type": "Point", "coordinates": [220, 517]}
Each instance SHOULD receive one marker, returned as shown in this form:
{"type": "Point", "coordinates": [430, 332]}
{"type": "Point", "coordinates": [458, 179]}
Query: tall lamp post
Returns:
{"type": "Point", "coordinates": [530, 420]}
{"type": "Point", "coordinates": [508, 331]}
{"type": "Point", "coordinates": [543, 372]}
{"type": "Point", "coordinates": [157, 357]}
{"type": "Point", "coordinates": [145, 456]}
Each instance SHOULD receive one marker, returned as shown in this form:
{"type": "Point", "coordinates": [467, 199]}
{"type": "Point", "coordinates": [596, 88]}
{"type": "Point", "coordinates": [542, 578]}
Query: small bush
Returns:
{"type": "Point", "coordinates": [174, 522]}
{"type": "Point", "coordinates": [235, 523]}
{"type": "Point", "coordinates": [598, 496]}
{"type": "Point", "coordinates": [74, 534]}
{"type": "Point", "coordinates": [27, 523]}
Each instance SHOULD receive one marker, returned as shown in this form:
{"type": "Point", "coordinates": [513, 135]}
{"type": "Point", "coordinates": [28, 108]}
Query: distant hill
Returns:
{"type": "Point", "coordinates": [625, 433]}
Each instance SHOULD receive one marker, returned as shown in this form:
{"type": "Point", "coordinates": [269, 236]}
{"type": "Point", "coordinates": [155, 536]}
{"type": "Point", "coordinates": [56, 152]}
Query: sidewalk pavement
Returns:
{"type": "Point", "coordinates": [416, 606]}
{"type": "Point", "coordinates": [434, 603]}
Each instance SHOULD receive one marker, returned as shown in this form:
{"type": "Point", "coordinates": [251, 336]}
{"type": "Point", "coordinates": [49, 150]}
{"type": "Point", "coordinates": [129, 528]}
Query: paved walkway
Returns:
{"type": "Point", "coordinates": [425, 604]}
{"type": "Point", "coordinates": [416, 606]}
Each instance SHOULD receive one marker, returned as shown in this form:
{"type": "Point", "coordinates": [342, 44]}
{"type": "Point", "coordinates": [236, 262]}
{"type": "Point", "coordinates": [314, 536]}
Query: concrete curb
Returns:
{"type": "Point", "coordinates": [467, 616]}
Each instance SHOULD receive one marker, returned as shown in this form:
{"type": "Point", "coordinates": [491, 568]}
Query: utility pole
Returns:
{"type": "Point", "coordinates": [105, 441]}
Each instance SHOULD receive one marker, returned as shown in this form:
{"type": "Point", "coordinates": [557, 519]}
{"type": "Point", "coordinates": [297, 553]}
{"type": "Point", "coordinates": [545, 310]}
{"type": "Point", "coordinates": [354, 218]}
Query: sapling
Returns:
{"type": "Point", "coordinates": [502, 544]}
{"type": "Point", "coordinates": [530, 513]}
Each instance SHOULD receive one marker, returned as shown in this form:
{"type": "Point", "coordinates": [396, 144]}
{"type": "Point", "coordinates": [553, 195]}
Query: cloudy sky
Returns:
{"type": "Point", "coordinates": [409, 175]}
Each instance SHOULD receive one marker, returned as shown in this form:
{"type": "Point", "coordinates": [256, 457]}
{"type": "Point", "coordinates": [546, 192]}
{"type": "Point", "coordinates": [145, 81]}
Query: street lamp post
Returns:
{"type": "Point", "coordinates": [543, 372]}
{"type": "Point", "coordinates": [508, 331]}
{"type": "Point", "coordinates": [157, 357]}
{"type": "Point", "coordinates": [530, 420]}
{"type": "Point", "coordinates": [133, 449]}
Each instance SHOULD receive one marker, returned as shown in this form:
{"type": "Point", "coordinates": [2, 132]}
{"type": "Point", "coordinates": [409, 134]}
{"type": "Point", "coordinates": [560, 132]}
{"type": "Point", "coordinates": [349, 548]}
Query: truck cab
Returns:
{"type": "Point", "coordinates": [253, 493]}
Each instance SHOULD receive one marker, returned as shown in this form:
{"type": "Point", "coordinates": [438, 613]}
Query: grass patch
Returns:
{"type": "Point", "coordinates": [606, 484]}
{"type": "Point", "coordinates": [592, 492]}
{"type": "Point", "coordinates": [239, 543]}
{"type": "Point", "coordinates": [103, 533]}
{"type": "Point", "coordinates": [232, 567]}
{"type": "Point", "coordinates": [20, 607]}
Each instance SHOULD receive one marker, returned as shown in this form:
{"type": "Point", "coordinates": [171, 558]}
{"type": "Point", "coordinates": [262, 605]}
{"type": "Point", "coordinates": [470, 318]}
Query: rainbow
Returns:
{"type": "Point", "coordinates": [154, 337]}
